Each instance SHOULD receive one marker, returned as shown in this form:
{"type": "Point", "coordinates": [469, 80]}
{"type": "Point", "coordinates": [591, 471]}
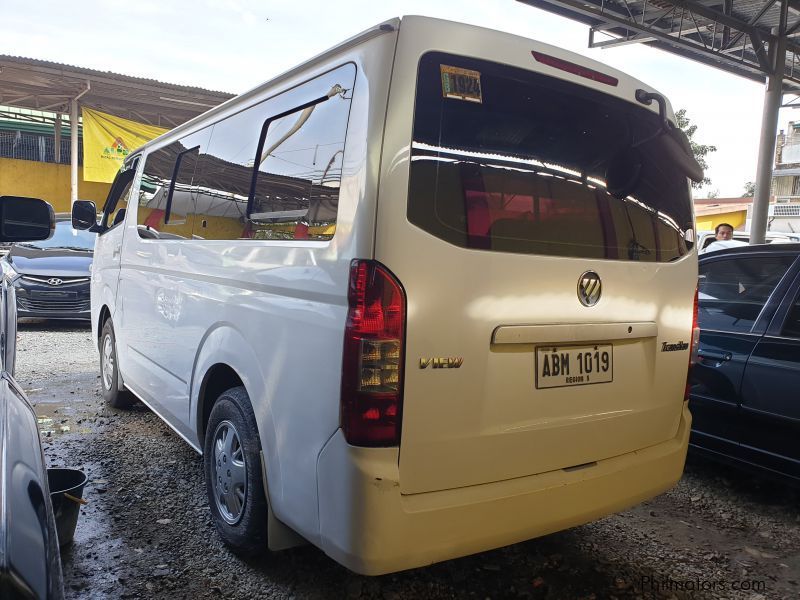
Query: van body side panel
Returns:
{"type": "Point", "coordinates": [157, 331]}
{"type": "Point", "coordinates": [485, 420]}
{"type": "Point", "coordinates": [272, 310]}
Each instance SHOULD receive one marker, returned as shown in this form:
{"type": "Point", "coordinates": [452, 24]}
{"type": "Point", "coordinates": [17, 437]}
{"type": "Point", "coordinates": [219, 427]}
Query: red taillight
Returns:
{"type": "Point", "coordinates": [695, 345]}
{"type": "Point", "coordinates": [372, 369]}
{"type": "Point", "coordinates": [569, 67]}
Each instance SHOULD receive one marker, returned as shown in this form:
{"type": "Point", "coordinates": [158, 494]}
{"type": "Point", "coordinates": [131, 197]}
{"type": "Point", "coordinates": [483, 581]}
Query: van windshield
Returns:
{"type": "Point", "coordinates": [505, 159]}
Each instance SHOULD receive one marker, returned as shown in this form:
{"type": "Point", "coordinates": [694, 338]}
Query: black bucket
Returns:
{"type": "Point", "coordinates": [66, 493]}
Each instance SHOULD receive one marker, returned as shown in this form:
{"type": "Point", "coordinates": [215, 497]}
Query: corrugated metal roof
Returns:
{"type": "Point", "coordinates": [74, 69]}
{"type": "Point", "coordinates": [46, 85]}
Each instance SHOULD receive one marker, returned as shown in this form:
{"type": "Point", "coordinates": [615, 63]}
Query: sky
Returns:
{"type": "Point", "coordinates": [234, 45]}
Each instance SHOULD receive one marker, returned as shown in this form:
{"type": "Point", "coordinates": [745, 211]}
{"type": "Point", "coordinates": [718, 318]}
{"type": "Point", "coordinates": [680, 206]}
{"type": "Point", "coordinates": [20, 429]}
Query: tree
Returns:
{"type": "Point", "coordinates": [700, 150]}
{"type": "Point", "coordinates": [749, 189]}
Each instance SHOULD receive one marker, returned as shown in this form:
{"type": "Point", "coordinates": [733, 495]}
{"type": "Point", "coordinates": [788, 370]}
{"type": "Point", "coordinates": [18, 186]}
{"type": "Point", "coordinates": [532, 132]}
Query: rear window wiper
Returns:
{"type": "Point", "coordinates": [676, 144]}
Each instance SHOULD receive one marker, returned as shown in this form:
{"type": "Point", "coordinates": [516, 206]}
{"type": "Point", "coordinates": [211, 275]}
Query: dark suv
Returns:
{"type": "Point", "coordinates": [745, 394]}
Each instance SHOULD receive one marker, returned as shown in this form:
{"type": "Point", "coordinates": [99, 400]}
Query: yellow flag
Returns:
{"type": "Point", "coordinates": [107, 140]}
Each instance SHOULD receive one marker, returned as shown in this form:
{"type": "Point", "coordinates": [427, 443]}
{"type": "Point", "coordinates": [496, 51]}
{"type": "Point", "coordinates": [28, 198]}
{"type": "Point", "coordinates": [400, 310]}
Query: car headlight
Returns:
{"type": "Point", "coordinates": [9, 272]}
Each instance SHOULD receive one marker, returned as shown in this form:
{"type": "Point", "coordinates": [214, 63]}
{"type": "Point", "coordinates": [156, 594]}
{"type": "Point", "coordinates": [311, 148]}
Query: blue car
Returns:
{"type": "Point", "coordinates": [745, 393]}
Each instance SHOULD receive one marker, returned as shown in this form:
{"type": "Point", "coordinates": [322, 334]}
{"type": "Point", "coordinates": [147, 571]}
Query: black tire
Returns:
{"type": "Point", "coordinates": [113, 393]}
{"type": "Point", "coordinates": [245, 530]}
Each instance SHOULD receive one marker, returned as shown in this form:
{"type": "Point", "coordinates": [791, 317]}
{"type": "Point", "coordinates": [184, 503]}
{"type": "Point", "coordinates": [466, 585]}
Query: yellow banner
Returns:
{"type": "Point", "coordinates": [107, 140]}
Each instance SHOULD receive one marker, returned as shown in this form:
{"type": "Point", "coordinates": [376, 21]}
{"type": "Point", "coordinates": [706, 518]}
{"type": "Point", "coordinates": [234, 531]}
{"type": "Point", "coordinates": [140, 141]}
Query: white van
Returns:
{"type": "Point", "coordinates": [427, 294]}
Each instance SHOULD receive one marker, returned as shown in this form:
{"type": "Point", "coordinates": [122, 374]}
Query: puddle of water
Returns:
{"type": "Point", "coordinates": [54, 419]}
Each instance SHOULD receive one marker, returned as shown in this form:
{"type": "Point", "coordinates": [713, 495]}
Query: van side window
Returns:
{"type": "Point", "coordinates": [299, 171]}
{"type": "Point", "coordinates": [733, 291]}
{"type": "Point", "coordinates": [225, 174]}
{"type": "Point", "coordinates": [290, 185]}
{"type": "Point", "coordinates": [167, 206]}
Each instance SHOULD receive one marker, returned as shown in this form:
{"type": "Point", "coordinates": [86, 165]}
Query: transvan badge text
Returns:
{"type": "Point", "coordinates": [665, 347]}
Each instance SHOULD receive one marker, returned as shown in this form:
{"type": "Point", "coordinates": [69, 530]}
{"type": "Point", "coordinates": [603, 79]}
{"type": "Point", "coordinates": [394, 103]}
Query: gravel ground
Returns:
{"type": "Point", "coordinates": [147, 531]}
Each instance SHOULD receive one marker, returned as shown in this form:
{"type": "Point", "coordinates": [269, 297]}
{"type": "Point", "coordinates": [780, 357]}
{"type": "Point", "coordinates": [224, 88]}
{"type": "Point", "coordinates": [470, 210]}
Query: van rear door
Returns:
{"type": "Point", "coordinates": [538, 230]}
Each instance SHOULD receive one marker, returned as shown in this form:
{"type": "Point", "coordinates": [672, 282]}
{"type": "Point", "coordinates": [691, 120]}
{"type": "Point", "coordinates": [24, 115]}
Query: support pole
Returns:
{"type": "Point", "coordinates": [73, 138]}
{"type": "Point", "coordinates": [57, 139]}
{"type": "Point", "coordinates": [73, 145]}
{"type": "Point", "coordinates": [773, 97]}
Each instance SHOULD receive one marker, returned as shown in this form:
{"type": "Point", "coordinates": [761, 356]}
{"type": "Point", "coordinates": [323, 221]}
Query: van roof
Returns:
{"type": "Point", "coordinates": [387, 27]}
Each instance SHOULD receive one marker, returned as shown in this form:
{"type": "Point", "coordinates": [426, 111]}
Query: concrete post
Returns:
{"type": "Point", "coordinates": [57, 139]}
{"type": "Point", "coordinates": [73, 138]}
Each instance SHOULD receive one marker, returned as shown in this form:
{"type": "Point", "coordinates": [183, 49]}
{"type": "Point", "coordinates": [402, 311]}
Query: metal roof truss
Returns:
{"type": "Point", "coordinates": [744, 37]}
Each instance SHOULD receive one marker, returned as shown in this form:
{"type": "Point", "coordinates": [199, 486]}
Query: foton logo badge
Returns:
{"type": "Point", "coordinates": [440, 363]}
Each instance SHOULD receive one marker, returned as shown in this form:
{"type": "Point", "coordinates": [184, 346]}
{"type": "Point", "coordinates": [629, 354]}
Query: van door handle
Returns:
{"type": "Point", "coordinates": [720, 357]}
{"type": "Point", "coordinates": [115, 252]}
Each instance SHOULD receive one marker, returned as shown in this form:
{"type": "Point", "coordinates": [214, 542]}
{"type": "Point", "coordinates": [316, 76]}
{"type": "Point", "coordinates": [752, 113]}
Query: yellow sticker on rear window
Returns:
{"type": "Point", "coordinates": [461, 84]}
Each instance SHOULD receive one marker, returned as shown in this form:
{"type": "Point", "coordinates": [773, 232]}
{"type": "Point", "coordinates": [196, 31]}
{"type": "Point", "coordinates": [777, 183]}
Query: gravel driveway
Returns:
{"type": "Point", "coordinates": [147, 531]}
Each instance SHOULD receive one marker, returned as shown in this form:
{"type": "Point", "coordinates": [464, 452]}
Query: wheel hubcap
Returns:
{"type": "Point", "coordinates": [107, 359]}
{"type": "Point", "coordinates": [230, 473]}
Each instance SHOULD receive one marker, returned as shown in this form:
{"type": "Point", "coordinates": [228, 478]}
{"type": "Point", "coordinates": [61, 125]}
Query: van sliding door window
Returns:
{"type": "Point", "coordinates": [169, 188]}
{"type": "Point", "coordinates": [299, 172]}
{"type": "Point", "coordinates": [509, 160]}
{"type": "Point", "coordinates": [273, 170]}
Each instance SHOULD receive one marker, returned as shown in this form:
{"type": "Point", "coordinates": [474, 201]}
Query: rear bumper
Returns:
{"type": "Point", "coordinates": [370, 527]}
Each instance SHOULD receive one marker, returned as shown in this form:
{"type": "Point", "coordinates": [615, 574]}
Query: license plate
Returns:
{"type": "Point", "coordinates": [560, 366]}
{"type": "Point", "coordinates": [54, 295]}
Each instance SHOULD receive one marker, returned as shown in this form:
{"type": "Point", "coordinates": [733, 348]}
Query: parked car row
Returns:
{"type": "Point", "coordinates": [482, 346]}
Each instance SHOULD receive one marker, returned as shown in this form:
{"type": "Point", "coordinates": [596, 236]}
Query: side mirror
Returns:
{"type": "Point", "coordinates": [84, 214]}
{"type": "Point", "coordinates": [25, 219]}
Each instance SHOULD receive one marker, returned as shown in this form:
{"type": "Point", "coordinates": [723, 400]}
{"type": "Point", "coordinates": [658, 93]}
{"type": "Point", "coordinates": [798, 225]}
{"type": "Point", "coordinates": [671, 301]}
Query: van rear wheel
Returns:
{"type": "Point", "coordinates": [232, 464]}
{"type": "Point", "coordinates": [113, 393]}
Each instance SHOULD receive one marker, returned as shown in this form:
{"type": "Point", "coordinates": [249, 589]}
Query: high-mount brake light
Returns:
{"type": "Point", "coordinates": [694, 345]}
{"type": "Point", "coordinates": [372, 370]}
{"type": "Point", "coordinates": [570, 67]}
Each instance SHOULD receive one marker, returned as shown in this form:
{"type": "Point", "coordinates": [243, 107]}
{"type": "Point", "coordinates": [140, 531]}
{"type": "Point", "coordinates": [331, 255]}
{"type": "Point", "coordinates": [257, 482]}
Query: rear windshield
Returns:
{"type": "Point", "coordinates": [508, 160]}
